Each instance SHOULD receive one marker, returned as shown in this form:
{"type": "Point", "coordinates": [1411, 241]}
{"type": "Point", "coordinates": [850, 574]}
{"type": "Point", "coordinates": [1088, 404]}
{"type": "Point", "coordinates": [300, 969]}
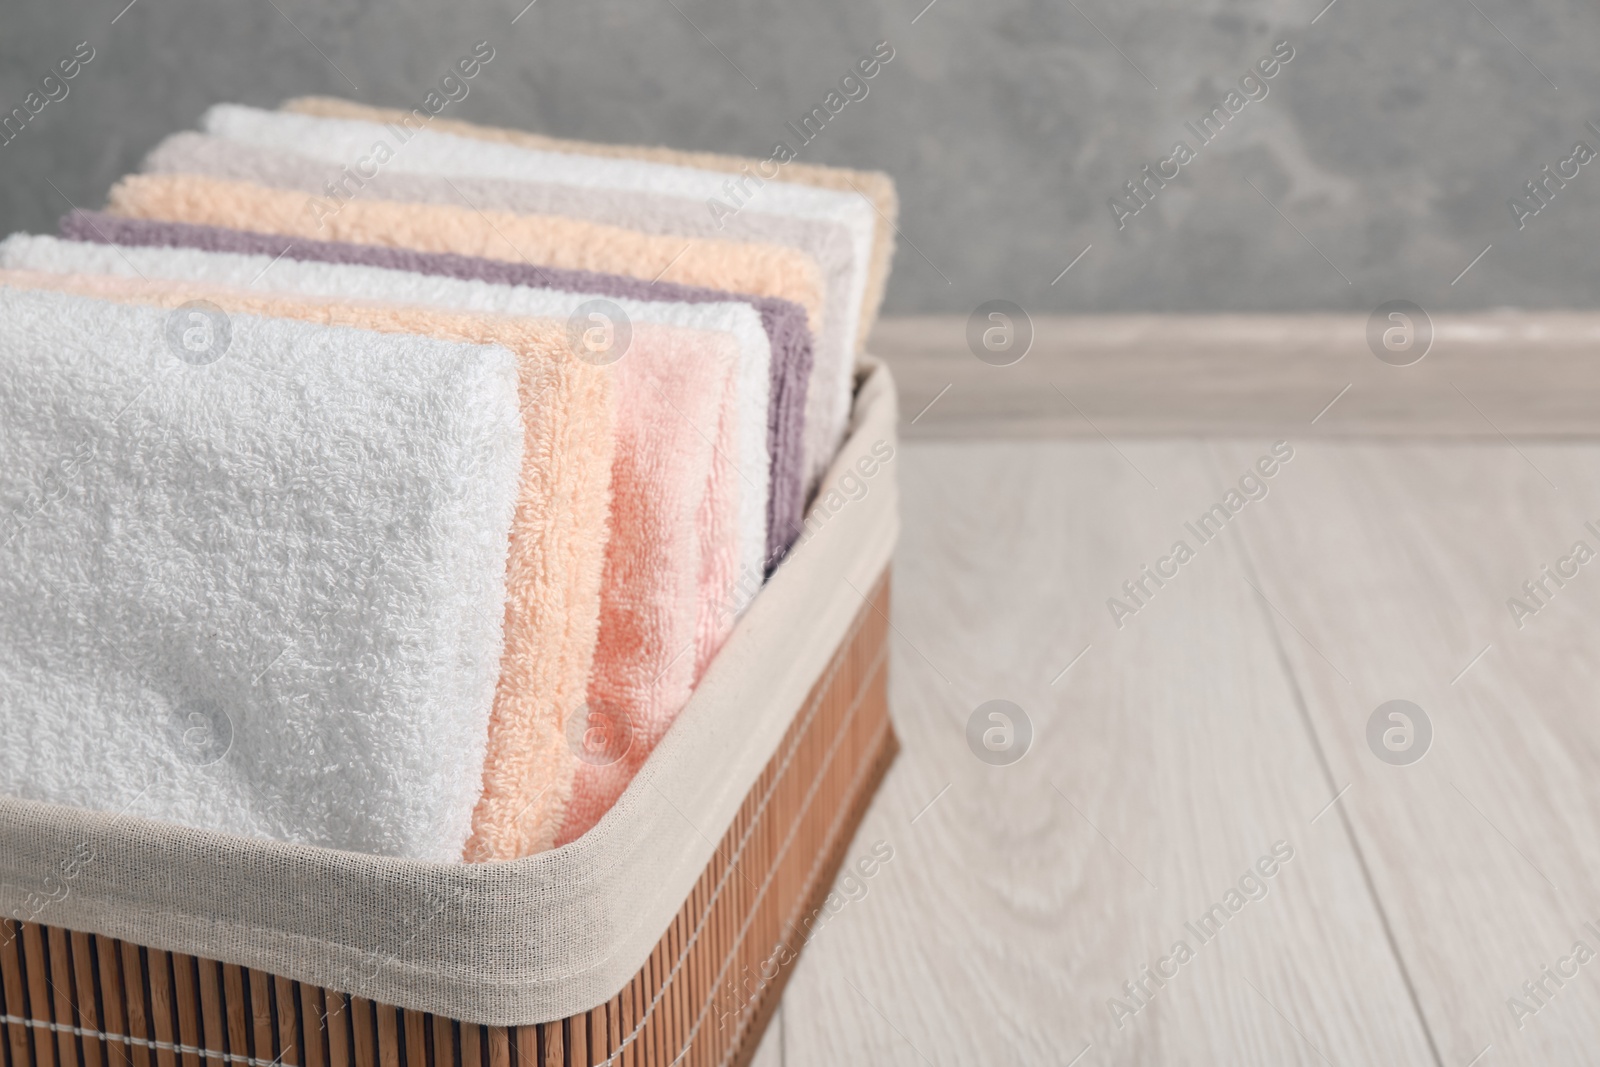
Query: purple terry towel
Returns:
{"type": "Point", "coordinates": [784, 321]}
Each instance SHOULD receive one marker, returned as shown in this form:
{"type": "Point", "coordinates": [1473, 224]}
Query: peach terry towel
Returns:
{"type": "Point", "coordinates": [557, 540]}
{"type": "Point", "coordinates": [875, 185]}
{"type": "Point", "coordinates": [670, 561]}
{"type": "Point", "coordinates": [737, 266]}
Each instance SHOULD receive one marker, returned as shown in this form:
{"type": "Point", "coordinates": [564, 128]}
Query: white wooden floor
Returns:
{"type": "Point", "coordinates": [1222, 718]}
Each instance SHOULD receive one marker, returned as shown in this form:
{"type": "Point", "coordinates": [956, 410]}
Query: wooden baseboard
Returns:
{"type": "Point", "coordinates": [1485, 376]}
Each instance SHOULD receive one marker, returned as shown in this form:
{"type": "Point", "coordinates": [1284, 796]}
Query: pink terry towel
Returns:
{"type": "Point", "coordinates": [655, 635]}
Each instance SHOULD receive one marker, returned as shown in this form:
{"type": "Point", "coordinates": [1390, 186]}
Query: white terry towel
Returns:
{"type": "Point", "coordinates": [262, 594]}
{"type": "Point", "coordinates": [349, 141]}
{"type": "Point", "coordinates": [26, 252]}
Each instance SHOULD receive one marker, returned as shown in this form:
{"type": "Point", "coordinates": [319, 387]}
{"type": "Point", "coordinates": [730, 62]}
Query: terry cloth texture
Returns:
{"type": "Point", "coordinates": [502, 944]}
{"type": "Point", "coordinates": [422, 227]}
{"type": "Point", "coordinates": [734, 528]}
{"type": "Point", "coordinates": [827, 242]}
{"type": "Point", "coordinates": [391, 151]}
{"type": "Point", "coordinates": [312, 155]}
{"type": "Point", "coordinates": [646, 662]}
{"type": "Point", "coordinates": [551, 579]}
{"type": "Point", "coordinates": [261, 595]}
{"type": "Point", "coordinates": [784, 322]}
{"type": "Point", "coordinates": [875, 185]}
{"type": "Point", "coordinates": [669, 563]}
{"type": "Point", "coordinates": [736, 266]}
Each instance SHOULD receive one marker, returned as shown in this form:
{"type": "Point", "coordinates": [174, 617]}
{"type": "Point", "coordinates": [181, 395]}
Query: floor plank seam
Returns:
{"type": "Point", "coordinates": [1247, 562]}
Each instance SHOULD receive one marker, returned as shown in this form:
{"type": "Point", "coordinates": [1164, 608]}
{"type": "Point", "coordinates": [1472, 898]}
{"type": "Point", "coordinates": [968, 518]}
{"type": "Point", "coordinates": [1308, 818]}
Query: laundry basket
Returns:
{"type": "Point", "coordinates": [650, 940]}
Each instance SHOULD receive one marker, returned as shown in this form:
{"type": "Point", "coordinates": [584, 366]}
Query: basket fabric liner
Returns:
{"type": "Point", "coordinates": [501, 944]}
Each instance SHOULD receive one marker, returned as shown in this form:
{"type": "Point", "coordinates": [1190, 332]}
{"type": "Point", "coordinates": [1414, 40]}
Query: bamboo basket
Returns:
{"type": "Point", "coordinates": [76, 999]}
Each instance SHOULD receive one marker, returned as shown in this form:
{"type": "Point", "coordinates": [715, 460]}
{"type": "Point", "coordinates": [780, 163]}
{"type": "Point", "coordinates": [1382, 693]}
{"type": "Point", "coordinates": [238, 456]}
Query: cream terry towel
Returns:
{"type": "Point", "coordinates": [367, 147]}
{"type": "Point", "coordinates": [552, 576]}
{"type": "Point", "coordinates": [875, 185]}
{"type": "Point", "coordinates": [741, 469]}
{"type": "Point", "coordinates": [252, 578]}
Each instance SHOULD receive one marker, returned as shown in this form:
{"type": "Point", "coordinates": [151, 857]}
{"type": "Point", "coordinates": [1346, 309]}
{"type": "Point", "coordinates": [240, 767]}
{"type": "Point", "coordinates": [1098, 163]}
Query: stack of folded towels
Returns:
{"type": "Point", "coordinates": [383, 482]}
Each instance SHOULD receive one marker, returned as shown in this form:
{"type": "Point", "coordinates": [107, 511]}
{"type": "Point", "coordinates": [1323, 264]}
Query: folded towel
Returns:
{"type": "Point", "coordinates": [720, 596]}
{"type": "Point", "coordinates": [448, 181]}
{"type": "Point", "coordinates": [735, 524]}
{"type": "Point", "coordinates": [737, 266]}
{"type": "Point", "coordinates": [669, 385]}
{"type": "Point", "coordinates": [257, 588]}
{"type": "Point", "coordinates": [479, 173]}
{"type": "Point", "coordinates": [783, 321]}
{"type": "Point", "coordinates": [646, 662]}
{"type": "Point", "coordinates": [874, 185]}
{"type": "Point", "coordinates": [553, 573]}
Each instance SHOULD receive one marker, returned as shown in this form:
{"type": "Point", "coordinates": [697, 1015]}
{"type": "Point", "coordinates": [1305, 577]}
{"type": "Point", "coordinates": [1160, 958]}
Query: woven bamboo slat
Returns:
{"type": "Point", "coordinates": [702, 999]}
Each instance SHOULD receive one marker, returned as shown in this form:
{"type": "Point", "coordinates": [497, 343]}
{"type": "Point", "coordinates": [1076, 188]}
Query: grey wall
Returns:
{"type": "Point", "coordinates": [1391, 142]}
